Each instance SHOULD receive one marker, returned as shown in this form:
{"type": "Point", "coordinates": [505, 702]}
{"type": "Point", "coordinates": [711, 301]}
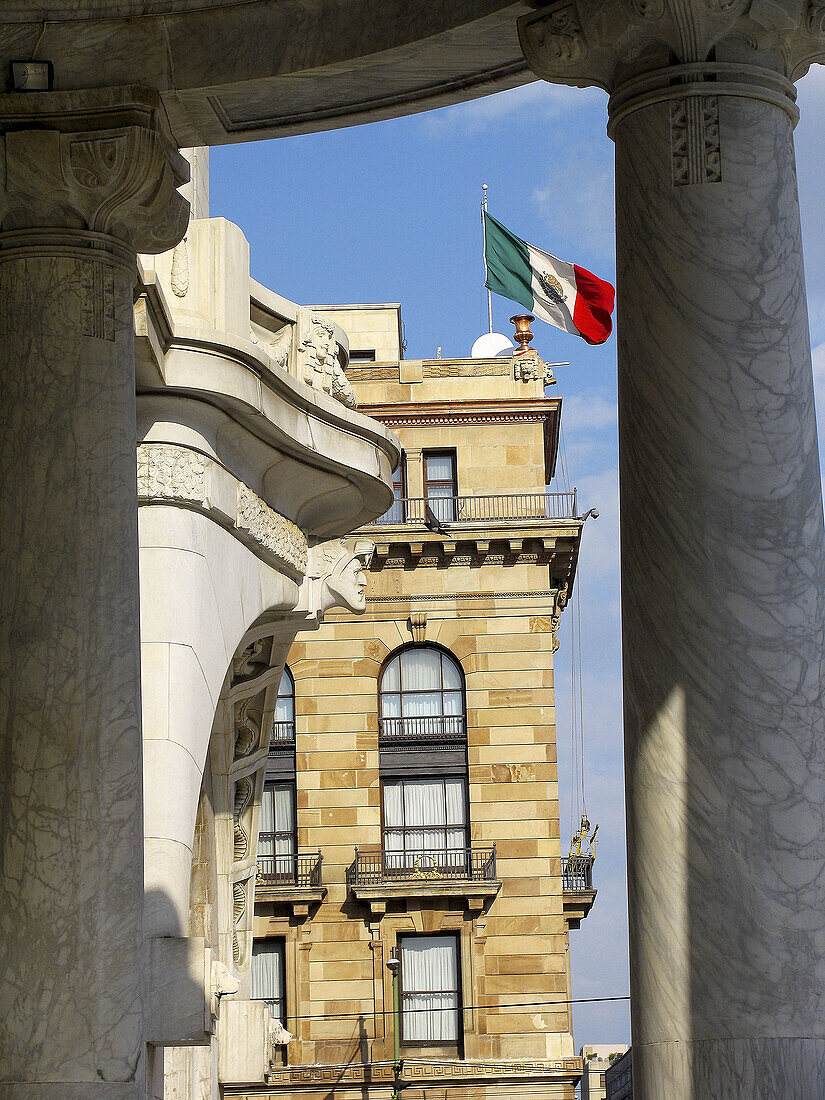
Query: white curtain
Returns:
{"type": "Point", "coordinates": [421, 670]}
{"type": "Point", "coordinates": [429, 985]}
{"type": "Point", "coordinates": [267, 973]}
{"type": "Point", "coordinates": [277, 816]}
{"type": "Point", "coordinates": [434, 812]}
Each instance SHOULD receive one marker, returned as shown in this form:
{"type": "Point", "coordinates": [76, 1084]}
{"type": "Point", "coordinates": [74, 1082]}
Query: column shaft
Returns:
{"type": "Point", "coordinates": [723, 579]}
{"type": "Point", "coordinates": [71, 828]}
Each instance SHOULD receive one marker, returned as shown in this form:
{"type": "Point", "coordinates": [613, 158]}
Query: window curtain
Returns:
{"type": "Point", "coordinates": [429, 987]}
{"type": "Point", "coordinates": [267, 974]}
{"type": "Point", "coordinates": [278, 818]}
{"type": "Point", "coordinates": [425, 823]}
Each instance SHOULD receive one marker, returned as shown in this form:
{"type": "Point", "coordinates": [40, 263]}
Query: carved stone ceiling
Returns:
{"type": "Point", "coordinates": [237, 71]}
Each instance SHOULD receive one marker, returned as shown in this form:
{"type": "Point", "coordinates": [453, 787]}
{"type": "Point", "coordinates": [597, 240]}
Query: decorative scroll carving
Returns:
{"type": "Point", "coordinates": [104, 162]}
{"type": "Point", "coordinates": [605, 44]}
{"type": "Point", "coordinates": [556, 32]}
{"type": "Point", "coordinates": [247, 728]}
{"type": "Point", "coordinates": [238, 912]}
{"type": "Point", "coordinates": [243, 797]}
{"type": "Point", "coordinates": [270, 529]}
{"type": "Point", "coordinates": [559, 604]}
{"type": "Point", "coordinates": [418, 626]}
{"type": "Point", "coordinates": [694, 140]}
{"type": "Point", "coordinates": [171, 473]}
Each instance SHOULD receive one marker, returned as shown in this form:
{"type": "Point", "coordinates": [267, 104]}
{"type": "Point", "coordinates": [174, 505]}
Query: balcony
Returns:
{"type": "Point", "coordinates": [577, 886]}
{"type": "Point", "coordinates": [281, 736]}
{"type": "Point", "coordinates": [294, 880]}
{"type": "Point", "coordinates": [378, 876]}
{"type": "Point", "coordinates": [498, 508]}
{"type": "Point", "coordinates": [446, 730]}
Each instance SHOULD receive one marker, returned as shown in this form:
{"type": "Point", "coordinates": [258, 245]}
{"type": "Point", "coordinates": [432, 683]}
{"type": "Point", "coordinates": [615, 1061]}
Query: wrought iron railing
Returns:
{"type": "Point", "coordinates": [474, 509]}
{"type": "Point", "coordinates": [443, 729]}
{"type": "Point", "coordinates": [289, 869]}
{"type": "Point", "coordinates": [376, 866]}
{"type": "Point", "coordinates": [281, 736]}
{"type": "Point", "coordinates": [577, 872]}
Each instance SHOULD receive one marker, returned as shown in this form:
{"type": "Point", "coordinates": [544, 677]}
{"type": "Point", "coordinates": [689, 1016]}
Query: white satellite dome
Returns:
{"type": "Point", "coordinates": [491, 345]}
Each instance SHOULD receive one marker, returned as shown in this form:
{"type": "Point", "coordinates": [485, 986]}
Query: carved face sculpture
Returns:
{"type": "Point", "coordinates": [349, 586]}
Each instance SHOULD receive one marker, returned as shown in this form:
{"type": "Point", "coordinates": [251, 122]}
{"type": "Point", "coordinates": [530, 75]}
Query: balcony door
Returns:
{"type": "Point", "coordinates": [425, 827]}
{"type": "Point", "coordinates": [440, 484]}
{"type": "Point", "coordinates": [277, 841]}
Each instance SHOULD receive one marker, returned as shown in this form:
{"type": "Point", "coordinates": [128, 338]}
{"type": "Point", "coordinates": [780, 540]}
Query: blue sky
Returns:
{"type": "Point", "coordinates": [390, 213]}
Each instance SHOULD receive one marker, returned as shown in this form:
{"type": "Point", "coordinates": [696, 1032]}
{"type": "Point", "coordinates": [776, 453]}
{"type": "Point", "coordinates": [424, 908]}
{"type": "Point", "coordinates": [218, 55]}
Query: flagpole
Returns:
{"type": "Point", "coordinates": [484, 232]}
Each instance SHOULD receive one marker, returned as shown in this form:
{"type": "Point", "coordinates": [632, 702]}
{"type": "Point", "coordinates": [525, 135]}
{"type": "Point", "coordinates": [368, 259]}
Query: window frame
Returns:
{"type": "Point", "coordinates": [443, 714]}
{"type": "Point", "coordinates": [407, 866]}
{"type": "Point", "coordinates": [279, 943]}
{"type": "Point", "coordinates": [291, 875]}
{"type": "Point", "coordinates": [290, 696]}
{"type": "Point", "coordinates": [444, 514]}
{"type": "Point", "coordinates": [456, 1044]}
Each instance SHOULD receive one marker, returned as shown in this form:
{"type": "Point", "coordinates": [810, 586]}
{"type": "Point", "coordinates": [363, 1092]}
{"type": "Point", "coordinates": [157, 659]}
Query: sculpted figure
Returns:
{"type": "Point", "coordinates": [341, 569]}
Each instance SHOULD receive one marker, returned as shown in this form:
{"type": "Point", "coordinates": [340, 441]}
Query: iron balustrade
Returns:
{"type": "Point", "coordinates": [474, 509]}
{"type": "Point", "coordinates": [577, 872]}
{"type": "Point", "coordinates": [288, 869]}
{"type": "Point", "coordinates": [445, 728]}
{"type": "Point", "coordinates": [281, 736]}
{"type": "Point", "coordinates": [377, 866]}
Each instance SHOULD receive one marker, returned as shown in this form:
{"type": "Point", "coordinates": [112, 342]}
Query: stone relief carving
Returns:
{"type": "Point", "coordinates": [340, 567]}
{"type": "Point", "coordinates": [238, 913]}
{"type": "Point", "coordinates": [559, 604]}
{"type": "Point", "coordinates": [247, 728]}
{"type": "Point", "coordinates": [243, 798]}
{"type": "Point", "coordinates": [180, 269]}
{"type": "Point", "coordinates": [270, 529]}
{"type": "Point", "coordinates": [170, 473]}
{"type": "Point", "coordinates": [694, 140]}
{"type": "Point", "coordinates": [320, 366]}
{"type": "Point", "coordinates": [117, 180]}
{"type": "Point", "coordinates": [223, 984]}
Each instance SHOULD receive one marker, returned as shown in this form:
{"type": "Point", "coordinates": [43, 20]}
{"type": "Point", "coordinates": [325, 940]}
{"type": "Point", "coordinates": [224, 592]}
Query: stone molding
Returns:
{"type": "Point", "coordinates": [583, 43]}
{"type": "Point", "coordinates": [102, 161]}
{"type": "Point", "coordinates": [427, 413]}
{"type": "Point", "coordinates": [168, 473]}
{"type": "Point", "coordinates": [423, 1070]}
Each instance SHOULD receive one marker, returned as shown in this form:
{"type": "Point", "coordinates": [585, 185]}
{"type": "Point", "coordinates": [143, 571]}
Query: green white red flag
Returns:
{"type": "Point", "coordinates": [553, 290]}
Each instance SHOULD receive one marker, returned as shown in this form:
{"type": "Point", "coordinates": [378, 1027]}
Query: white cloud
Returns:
{"type": "Point", "coordinates": [588, 412]}
{"type": "Point", "coordinates": [538, 100]}
{"type": "Point", "coordinates": [576, 202]}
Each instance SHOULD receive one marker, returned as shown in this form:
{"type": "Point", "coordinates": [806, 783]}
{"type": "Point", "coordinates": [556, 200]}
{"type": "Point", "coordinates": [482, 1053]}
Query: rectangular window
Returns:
{"type": "Point", "coordinates": [277, 840]}
{"type": "Point", "coordinates": [362, 355]}
{"type": "Point", "coordinates": [425, 826]}
{"type": "Point", "coordinates": [440, 484]}
{"type": "Point", "coordinates": [268, 975]}
{"type": "Point", "coordinates": [430, 999]}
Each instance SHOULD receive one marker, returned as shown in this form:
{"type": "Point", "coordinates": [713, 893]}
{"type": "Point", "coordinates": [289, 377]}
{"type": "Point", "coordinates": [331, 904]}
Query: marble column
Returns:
{"type": "Point", "coordinates": [723, 566]}
{"type": "Point", "coordinates": [87, 181]}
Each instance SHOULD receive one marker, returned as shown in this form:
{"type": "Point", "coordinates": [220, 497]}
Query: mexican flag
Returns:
{"type": "Point", "coordinates": [562, 294]}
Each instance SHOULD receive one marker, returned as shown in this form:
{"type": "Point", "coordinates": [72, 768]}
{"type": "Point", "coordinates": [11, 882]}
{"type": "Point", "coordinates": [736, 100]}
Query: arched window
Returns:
{"type": "Point", "coordinates": [277, 838]}
{"type": "Point", "coordinates": [283, 725]}
{"type": "Point", "coordinates": [423, 764]}
{"type": "Point", "coordinates": [422, 696]}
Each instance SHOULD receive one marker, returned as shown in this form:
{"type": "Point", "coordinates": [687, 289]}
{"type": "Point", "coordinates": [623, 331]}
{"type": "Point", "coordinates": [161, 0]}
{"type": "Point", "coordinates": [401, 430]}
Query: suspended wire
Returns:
{"type": "Point", "coordinates": [496, 1010]}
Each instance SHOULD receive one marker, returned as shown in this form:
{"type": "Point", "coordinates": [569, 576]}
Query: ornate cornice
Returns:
{"type": "Point", "coordinates": [168, 472]}
{"type": "Point", "coordinates": [464, 412]}
{"type": "Point", "coordinates": [101, 161]}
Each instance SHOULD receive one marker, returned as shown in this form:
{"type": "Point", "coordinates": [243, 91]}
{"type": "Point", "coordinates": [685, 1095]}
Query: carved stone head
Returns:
{"type": "Point", "coordinates": [341, 570]}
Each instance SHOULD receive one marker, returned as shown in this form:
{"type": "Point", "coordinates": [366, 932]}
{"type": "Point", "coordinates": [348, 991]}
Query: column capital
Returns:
{"type": "Point", "coordinates": [608, 42]}
{"type": "Point", "coordinates": [100, 161]}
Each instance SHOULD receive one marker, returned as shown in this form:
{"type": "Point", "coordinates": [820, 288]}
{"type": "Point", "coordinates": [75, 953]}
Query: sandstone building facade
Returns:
{"type": "Point", "coordinates": [411, 800]}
